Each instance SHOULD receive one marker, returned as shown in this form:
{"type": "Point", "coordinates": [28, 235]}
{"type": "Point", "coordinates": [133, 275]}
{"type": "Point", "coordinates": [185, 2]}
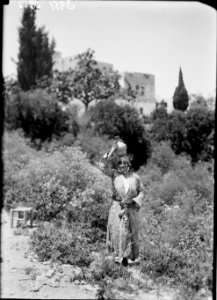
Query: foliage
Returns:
{"type": "Point", "coordinates": [187, 132]}
{"type": "Point", "coordinates": [200, 123]}
{"type": "Point", "coordinates": [90, 83]}
{"type": "Point", "coordinates": [103, 267]}
{"type": "Point", "coordinates": [60, 84]}
{"type": "Point", "coordinates": [180, 97]}
{"type": "Point", "coordinates": [94, 146]}
{"type": "Point", "coordinates": [163, 156]}
{"type": "Point", "coordinates": [197, 101]}
{"type": "Point", "coordinates": [159, 113]}
{"type": "Point", "coordinates": [176, 220]}
{"type": "Point", "coordinates": [177, 132]}
{"type": "Point", "coordinates": [177, 243]}
{"type": "Point", "coordinates": [158, 130]}
{"type": "Point", "coordinates": [108, 118]}
{"type": "Point", "coordinates": [62, 244]}
{"type": "Point", "coordinates": [35, 51]}
{"type": "Point", "coordinates": [60, 185]}
{"type": "Point", "coordinates": [37, 114]}
{"type": "Point", "coordinates": [128, 93]}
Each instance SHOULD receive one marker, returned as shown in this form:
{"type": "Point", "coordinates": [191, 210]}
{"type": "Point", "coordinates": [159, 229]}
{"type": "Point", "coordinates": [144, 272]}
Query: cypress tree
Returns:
{"type": "Point", "coordinates": [44, 54]}
{"type": "Point", "coordinates": [35, 58]}
{"type": "Point", "coordinates": [26, 67]}
{"type": "Point", "coordinates": [180, 97]}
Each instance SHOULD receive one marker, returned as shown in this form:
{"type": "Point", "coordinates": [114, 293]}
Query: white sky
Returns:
{"type": "Point", "coordinates": [150, 37]}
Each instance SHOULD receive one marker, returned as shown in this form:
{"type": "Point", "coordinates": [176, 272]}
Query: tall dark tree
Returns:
{"type": "Point", "coordinates": [44, 54]}
{"type": "Point", "coordinates": [180, 97]}
{"type": "Point", "coordinates": [35, 51]}
{"type": "Point", "coordinates": [26, 66]}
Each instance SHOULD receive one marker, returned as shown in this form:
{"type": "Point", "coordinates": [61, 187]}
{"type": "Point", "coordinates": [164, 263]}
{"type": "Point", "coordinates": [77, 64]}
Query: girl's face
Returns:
{"type": "Point", "coordinates": [123, 166]}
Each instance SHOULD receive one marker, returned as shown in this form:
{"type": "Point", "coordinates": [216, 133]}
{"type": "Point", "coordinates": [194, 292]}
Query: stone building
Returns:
{"type": "Point", "coordinates": [143, 84]}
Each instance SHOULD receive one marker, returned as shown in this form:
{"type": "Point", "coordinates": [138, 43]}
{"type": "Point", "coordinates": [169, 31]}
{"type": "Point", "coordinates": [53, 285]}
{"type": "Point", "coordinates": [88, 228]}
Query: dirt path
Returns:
{"type": "Point", "coordinates": [22, 276]}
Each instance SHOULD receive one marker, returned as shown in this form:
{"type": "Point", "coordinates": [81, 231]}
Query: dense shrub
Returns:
{"type": "Point", "coordinates": [177, 131]}
{"type": "Point", "coordinates": [200, 123]}
{"type": "Point", "coordinates": [163, 156]}
{"type": "Point", "coordinates": [62, 244]}
{"type": "Point", "coordinates": [177, 243]}
{"type": "Point", "coordinates": [187, 132]}
{"type": "Point", "coordinates": [37, 113]}
{"type": "Point", "coordinates": [16, 156]}
{"type": "Point", "coordinates": [176, 220]}
{"type": "Point", "coordinates": [94, 146]}
{"type": "Point", "coordinates": [56, 184]}
{"type": "Point", "coordinates": [108, 118]}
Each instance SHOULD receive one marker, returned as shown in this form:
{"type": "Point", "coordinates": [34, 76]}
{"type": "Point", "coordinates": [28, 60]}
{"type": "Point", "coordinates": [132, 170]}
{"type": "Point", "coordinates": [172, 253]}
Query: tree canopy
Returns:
{"type": "Point", "coordinates": [90, 83]}
{"type": "Point", "coordinates": [108, 118]}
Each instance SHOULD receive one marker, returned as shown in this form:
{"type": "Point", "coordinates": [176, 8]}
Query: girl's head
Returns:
{"type": "Point", "coordinates": [123, 165]}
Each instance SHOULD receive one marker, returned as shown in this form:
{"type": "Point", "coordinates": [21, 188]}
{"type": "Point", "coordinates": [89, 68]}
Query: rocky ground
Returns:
{"type": "Point", "coordinates": [22, 276]}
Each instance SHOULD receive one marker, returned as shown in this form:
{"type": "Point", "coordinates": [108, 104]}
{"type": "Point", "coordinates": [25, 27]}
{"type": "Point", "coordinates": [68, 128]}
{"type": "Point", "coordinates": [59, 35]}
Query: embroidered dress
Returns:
{"type": "Point", "coordinates": [122, 229]}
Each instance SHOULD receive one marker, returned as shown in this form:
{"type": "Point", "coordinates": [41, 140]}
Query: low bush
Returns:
{"type": "Point", "coordinates": [177, 243]}
{"type": "Point", "coordinates": [62, 244]}
{"type": "Point", "coordinates": [57, 185]}
{"type": "Point", "coordinates": [163, 156]}
{"type": "Point", "coordinates": [93, 145]}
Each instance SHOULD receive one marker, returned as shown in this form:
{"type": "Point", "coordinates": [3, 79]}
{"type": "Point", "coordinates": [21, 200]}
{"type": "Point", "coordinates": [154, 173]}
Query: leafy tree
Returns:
{"type": "Point", "coordinates": [159, 113]}
{"type": "Point", "coordinates": [39, 115]}
{"type": "Point", "coordinates": [90, 83]}
{"type": "Point", "coordinates": [159, 119]}
{"type": "Point", "coordinates": [180, 97]}
{"type": "Point", "coordinates": [177, 131]}
{"type": "Point", "coordinates": [197, 101]}
{"type": "Point", "coordinates": [35, 51]}
{"type": "Point", "coordinates": [128, 93]}
{"type": "Point", "coordinates": [60, 84]}
{"type": "Point", "coordinates": [200, 124]}
{"type": "Point", "coordinates": [108, 118]}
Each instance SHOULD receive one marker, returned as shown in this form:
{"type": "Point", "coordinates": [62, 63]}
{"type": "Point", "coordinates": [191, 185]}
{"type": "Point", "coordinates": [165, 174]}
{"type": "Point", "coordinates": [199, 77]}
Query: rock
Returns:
{"type": "Point", "coordinates": [50, 273]}
{"type": "Point", "coordinates": [91, 288]}
{"type": "Point", "coordinates": [82, 282]}
{"type": "Point", "coordinates": [76, 282]}
{"type": "Point", "coordinates": [54, 283]}
{"type": "Point", "coordinates": [36, 286]}
{"type": "Point", "coordinates": [42, 279]}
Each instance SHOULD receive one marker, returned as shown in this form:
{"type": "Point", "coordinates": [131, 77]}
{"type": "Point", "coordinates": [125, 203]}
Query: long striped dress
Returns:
{"type": "Point", "coordinates": [122, 229]}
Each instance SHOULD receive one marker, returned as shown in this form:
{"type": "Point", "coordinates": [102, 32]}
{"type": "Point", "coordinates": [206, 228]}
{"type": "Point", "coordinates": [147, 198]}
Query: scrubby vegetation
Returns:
{"type": "Point", "coordinates": [71, 199]}
{"type": "Point", "coordinates": [50, 163]}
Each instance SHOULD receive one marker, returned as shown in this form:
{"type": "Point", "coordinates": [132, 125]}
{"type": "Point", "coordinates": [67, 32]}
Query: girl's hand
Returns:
{"type": "Point", "coordinates": [113, 149]}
